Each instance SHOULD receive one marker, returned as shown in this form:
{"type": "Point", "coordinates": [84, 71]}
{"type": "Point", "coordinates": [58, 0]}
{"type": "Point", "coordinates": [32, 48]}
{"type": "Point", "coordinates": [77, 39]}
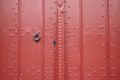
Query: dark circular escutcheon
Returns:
{"type": "Point", "coordinates": [36, 37]}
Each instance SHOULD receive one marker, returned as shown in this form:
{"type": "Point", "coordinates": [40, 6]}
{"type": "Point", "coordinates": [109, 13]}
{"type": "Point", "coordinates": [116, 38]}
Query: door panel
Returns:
{"type": "Point", "coordinates": [72, 37]}
{"type": "Point", "coordinates": [8, 40]}
{"type": "Point", "coordinates": [59, 39]}
{"type": "Point", "coordinates": [50, 39]}
{"type": "Point", "coordinates": [31, 52]}
{"type": "Point", "coordinates": [94, 40]}
{"type": "Point", "coordinates": [115, 38]}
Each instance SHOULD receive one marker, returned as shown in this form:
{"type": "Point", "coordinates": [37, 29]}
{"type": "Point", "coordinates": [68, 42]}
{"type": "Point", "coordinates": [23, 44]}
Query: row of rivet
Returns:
{"type": "Point", "coordinates": [60, 44]}
{"type": "Point", "coordinates": [60, 39]}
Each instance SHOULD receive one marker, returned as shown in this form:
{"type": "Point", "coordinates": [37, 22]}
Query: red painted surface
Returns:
{"type": "Point", "coordinates": [79, 40]}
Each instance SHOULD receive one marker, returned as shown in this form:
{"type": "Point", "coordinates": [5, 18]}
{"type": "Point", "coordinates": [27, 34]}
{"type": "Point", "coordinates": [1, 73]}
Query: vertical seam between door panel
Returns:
{"type": "Point", "coordinates": [81, 37]}
{"type": "Point", "coordinates": [65, 43]}
{"type": "Point", "coordinates": [56, 72]}
{"type": "Point", "coordinates": [1, 38]}
{"type": "Point", "coordinates": [56, 41]}
{"type": "Point", "coordinates": [108, 41]}
{"type": "Point", "coordinates": [43, 27]}
{"type": "Point", "coordinates": [19, 40]}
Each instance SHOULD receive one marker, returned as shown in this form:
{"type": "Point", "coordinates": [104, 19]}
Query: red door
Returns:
{"type": "Point", "coordinates": [59, 40]}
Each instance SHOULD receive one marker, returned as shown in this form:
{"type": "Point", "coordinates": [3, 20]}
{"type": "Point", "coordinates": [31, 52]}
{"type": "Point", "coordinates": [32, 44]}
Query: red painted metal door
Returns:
{"type": "Point", "coordinates": [59, 40]}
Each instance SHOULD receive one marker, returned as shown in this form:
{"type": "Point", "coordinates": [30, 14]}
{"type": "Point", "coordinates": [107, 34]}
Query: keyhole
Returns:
{"type": "Point", "coordinates": [54, 42]}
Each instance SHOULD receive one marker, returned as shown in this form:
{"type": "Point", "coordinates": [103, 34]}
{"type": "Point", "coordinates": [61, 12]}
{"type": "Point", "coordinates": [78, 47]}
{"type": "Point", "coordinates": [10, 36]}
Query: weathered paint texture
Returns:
{"type": "Point", "coordinates": [59, 39]}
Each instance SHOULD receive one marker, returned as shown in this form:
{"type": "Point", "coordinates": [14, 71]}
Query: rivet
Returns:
{"type": "Point", "coordinates": [102, 16]}
{"type": "Point", "coordinates": [94, 71]}
{"type": "Point", "coordinates": [101, 75]}
{"type": "Point", "coordinates": [50, 18]}
{"type": "Point", "coordinates": [4, 70]}
{"type": "Point", "coordinates": [60, 61]}
{"type": "Point", "coordinates": [112, 56]}
{"type": "Point", "coordinates": [88, 75]}
{"type": "Point", "coordinates": [88, 68]}
{"type": "Point", "coordinates": [60, 77]}
{"type": "Point", "coordinates": [103, 56]}
{"type": "Point", "coordinates": [104, 75]}
{"type": "Point", "coordinates": [65, 1]}
{"type": "Point", "coordinates": [60, 73]}
{"type": "Point", "coordinates": [103, 45]}
{"type": "Point", "coordinates": [51, 7]}
{"type": "Point", "coordinates": [33, 74]}
{"type": "Point", "coordinates": [59, 70]}
{"type": "Point", "coordinates": [113, 67]}
{"type": "Point", "coordinates": [75, 67]}
{"type": "Point", "coordinates": [110, 15]}
{"type": "Point", "coordinates": [16, 2]}
{"type": "Point", "coordinates": [60, 66]}
{"type": "Point", "coordinates": [27, 70]}
{"type": "Point", "coordinates": [102, 4]}
{"type": "Point", "coordinates": [110, 4]}
{"type": "Point", "coordinates": [68, 17]}
{"type": "Point", "coordinates": [54, 2]}
{"type": "Point", "coordinates": [21, 74]}
{"type": "Point", "coordinates": [13, 8]}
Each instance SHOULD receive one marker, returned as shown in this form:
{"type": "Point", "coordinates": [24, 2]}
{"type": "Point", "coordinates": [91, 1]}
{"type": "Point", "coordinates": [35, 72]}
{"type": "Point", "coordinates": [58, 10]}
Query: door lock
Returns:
{"type": "Point", "coordinates": [36, 37]}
